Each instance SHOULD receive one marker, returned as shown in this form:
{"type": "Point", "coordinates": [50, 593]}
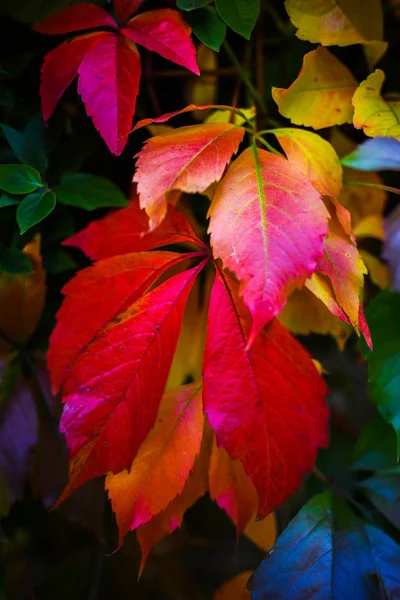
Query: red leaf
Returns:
{"type": "Point", "coordinates": [121, 280]}
{"type": "Point", "coordinates": [124, 231]}
{"type": "Point", "coordinates": [126, 8]}
{"type": "Point", "coordinates": [189, 159]}
{"type": "Point", "coordinates": [163, 463]}
{"type": "Point", "coordinates": [165, 32]}
{"type": "Point", "coordinates": [108, 83]}
{"type": "Point", "coordinates": [115, 387]}
{"type": "Point", "coordinates": [168, 116]}
{"type": "Point", "coordinates": [267, 224]}
{"type": "Point", "coordinates": [266, 405]}
{"type": "Point", "coordinates": [60, 68]}
{"type": "Point", "coordinates": [75, 18]}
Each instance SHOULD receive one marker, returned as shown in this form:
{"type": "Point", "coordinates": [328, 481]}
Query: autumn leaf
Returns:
{"type": "Point", "coordinates": [372, 113]}
{"type": "Point", "coordinates": [107, 62]}
{"type": "Point", "coordinates": [22, 300]}
{"type": "Point", "coordinates": [257, 231]}
{"type": "Point", "coordinates": [378, 154]}
{"type": "Point", "coordinates": [235, 589]}
{"type": "Point", "coordinates": [262, 533]}
{"type": "Point", "coordinates": [189, 159]}
{"type": "Point", "coordinates": [163, 463]}
{"type": "Point", "coordinates": [377, 270]}
{"type": "Point", "coordinates": [321, 95]}
{"type": "Point", "coordinates": [265, 404]}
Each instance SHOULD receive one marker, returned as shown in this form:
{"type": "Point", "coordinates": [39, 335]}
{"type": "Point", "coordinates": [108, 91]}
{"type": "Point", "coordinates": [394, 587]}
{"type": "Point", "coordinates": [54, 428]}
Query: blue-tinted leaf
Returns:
{"type": "Point", "coordinates": [8, 200]}
{"type": "Point", "coordinates": [89, 192]}
{"type": "Point", "coordinates": [376, 154]}
{"type": "Point", "coordinates": [327, 553]}
{"type": "Point", "coordinates": [384, 362]}
{"type": "Point", "coordinates": [239, 15]}
{"type": "Point", "coordinates": [19, 179]}
{"type": "Point", "coordinates": [391, 251]}
{"type": "Point", "coordinates": [34, 208]}
{"type": "Point", "coordinates": [25, 149]}
{"type": "Point", "coordinates": [208, 27]}
{"type": "Point", "coordinates": [383, 489]}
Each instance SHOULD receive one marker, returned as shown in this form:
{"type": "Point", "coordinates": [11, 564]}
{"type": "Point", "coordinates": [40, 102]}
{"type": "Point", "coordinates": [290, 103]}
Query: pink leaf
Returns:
{"type": "Point", "coordinates": [108, 83]}
{"type": "Point", "coordinates": [75, 18]}
{"type": "Point", "coordinates": [165, 32]}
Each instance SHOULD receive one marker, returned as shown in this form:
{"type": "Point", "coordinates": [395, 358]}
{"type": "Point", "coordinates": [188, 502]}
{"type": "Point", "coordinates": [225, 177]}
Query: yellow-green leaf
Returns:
{"type": "Point", "coordinates": [372, 113]}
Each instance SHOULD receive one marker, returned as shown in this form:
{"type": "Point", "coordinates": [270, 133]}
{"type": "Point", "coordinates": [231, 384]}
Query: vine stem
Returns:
{"type": "Point", "coordinates": [246, 80]}
{"type": "Point", "coordinates": [386, 188]}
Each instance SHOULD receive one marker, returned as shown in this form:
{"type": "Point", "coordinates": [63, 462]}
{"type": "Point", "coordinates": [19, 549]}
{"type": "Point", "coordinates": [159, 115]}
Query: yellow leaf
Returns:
{"type": "Point", "coordinates": [263, 533]}
{"type": "Point", "coordinates": [374, 51]}
{"type": "Point", "coordinates": [372, 112]}
{"type": "Point", "coordinates": [371, 226]}
{"type": "Point", "coordinates": [314, 157]}
{"type": "Point", "coordinates": [22, 299]}
{"type": "Point", "coordinates": [336, 22]}
{"type": "Point", "coordinates": [203, 89]}
{"type": "Point", "coordinates": [321, 95]}
{"type": "Point", "coordinates": [235, 589]}
{"type": "Point", "coordinates": [225, 116]}
{"type": "Point", "coordinates": [377, 270]}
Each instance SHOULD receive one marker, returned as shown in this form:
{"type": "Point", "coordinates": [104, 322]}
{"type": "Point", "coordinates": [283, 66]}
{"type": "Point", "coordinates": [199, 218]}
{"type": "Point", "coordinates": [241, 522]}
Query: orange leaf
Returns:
{"type": "Point", "coordinates": [189, 159]}
{"type": "Point", "coordinates": [163, 462]}
{"type": "Point", "coordinates": [263, 533]}
{"type": "Point", "coordinates": [321, 95]}
{"type": "Point", "coordinates": [235, 589]}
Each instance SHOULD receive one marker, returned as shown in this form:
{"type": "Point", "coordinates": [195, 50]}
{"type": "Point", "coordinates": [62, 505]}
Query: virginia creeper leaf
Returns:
{"type": "Point", "coordinates": [336, 22]}
{"type": "Point", "coordinates": [239, 15]}
{"type": "Point", "coordinates": [127, 230]}
{"type": "Point", "coordinates": [321, 95]}
{"type": "Point", "coordinates": [163, 463]}
{"type": "Point", "coordinates": [75, 18]}
{"type": "Point", "coordinates": [168, 116]}
{"type": "Point", "coordinates": [257, 231]}
{"type": "Point", "coordinates": [115, 386]}
{"type": "Point", "coordinates": [330, 547]}
{"type": "Point", "coordinates": [189, 159]}
{"type": "Point", "coordinates": [165, 32]}
{"type": "Point", "coordinates": [384, 361]}
{"type": "Point", "coordinates": [119, 279]}
{"type": "Point", "coordinates": [379, 154]}
{"type": "Point", "coordinates": [126, 8]}
{"type": "Point", "coordinates": [108, 82]}
{"type": "Point", "coordinates": [377, 270]}
{"type": "Point", "coordinates": [372, 113]}
{"type": "Point", "coordinates": [34, 208]}
{"type": "Point", "coordinates": [265, 404]}
{"type": "Point", "coordinates": [88, 191]}
{"type": "Point", "coordinates": [19, 179]}
{"type": "Point", "coordinates": [314, 157]}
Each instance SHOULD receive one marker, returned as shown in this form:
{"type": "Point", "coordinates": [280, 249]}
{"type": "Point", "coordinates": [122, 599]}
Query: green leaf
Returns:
{"type": "Point", "coordinates": [89, 192]}
{"type": "Point", "coordinates": [375, 447]}
{"type": "Point", "coordinates": [326, 552]}
{"type": "Point", "coordinates": [28, 153]}
{"type": "Point", "coordinates": [208, 27]}
{"type": "Point", "coordinates": [19, 179]}
{"type": "Point", "coordinates": [56, 260]}
{"type": "Point", "coordinates": [34, 208]}
{"type": "Point", "coordinates": [8, 200]}
{"type": "Point", "coordinates": [191, 4]}
{"type": "Point", "coordinates": [384, 361]}
{"type": "Point", "coordinates": [239, 15]}
{"type": "Point", "coordinates": [15, 261]}
{"type": "Point", "coordinates": [44, 138]}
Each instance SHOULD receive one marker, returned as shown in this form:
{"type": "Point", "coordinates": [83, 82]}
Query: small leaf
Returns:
{"type": "Point", "coordinates": [372, 113]}
{"type": "Point", "coordinates": [34, 208]}
{"type": "Point", "coordinates": [8, 200]}
{"type": "Point", "coordinates": [19, 179]}
{"type": "Point", "coordinates": [208, 27]}
{"type": "Point", "coordinates": [23, 149]}
{"type": "Point", "coordinates": [379, 154]}
{"type": "Point", "coordinates": [88, 192]}
{"type": "Point", "coordinates": [190, 4]}
{"type": "Point", "coordinates": [239, 15]}
{"type": "Point", "coordinates": [13, 260]}
{"type": "Point", "coordinates": [375, 447]}
{"type": "Point", "coordinates": [321, 95]}
{"type": "Point", "coordinates": [235, 589]}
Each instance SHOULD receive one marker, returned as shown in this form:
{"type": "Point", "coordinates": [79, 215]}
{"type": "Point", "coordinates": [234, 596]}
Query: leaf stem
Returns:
{"type": "Point", "coordinates": [246, 80]}
{"type": "Point", "coordinates": [386, 188]}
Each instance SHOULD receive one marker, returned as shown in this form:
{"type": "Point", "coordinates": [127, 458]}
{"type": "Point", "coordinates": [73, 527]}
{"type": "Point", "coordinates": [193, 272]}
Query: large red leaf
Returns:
{"type": "Point", "coordinates": [165, 32]}
{"type": "Point", "coordinates": [163, 463]}
{"type": "Point", "coordinates": [267, 223]}
{"type": "Point", "coordinates": [75, 18]}
{"type": "Point", "coordinates": [124, 231]}
{"type": "Point", "coordinates": [266, 404]}
{"type": "Point", "coordinates": [126, 8]}
{"type": "Point", "coordinates": [108, 82]}
{"type": "Point", "coordinates": [60, 68]}
{"type": "Point", "coordinates": [189, 159]}
{"type": "Point", "coordinates": [115, 386]}
{"type": "Point", "coordinates": [120, 281]}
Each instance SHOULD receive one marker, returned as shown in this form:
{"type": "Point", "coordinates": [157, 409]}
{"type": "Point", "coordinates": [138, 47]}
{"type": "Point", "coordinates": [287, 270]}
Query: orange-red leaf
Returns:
{"type": "Point", "coordinates": [189, 159]}
{"type": "Point", "coordinates": [163, 463]}
{"type": "Point", "coordinates": [266, 404]}
{"type": "Point", "coordinates": [126, 231]}
{"type": "Point", "coordinates": [75, 18]}
{"type": "Point", "coordinates": [267, 223]}
{"type": "Point", "coordinates": [126, 8]}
